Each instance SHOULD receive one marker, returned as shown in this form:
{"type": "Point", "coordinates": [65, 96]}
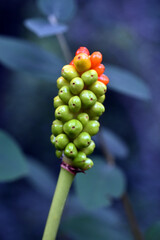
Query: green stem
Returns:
{"type": "Point", "coordinates": [63, 186]}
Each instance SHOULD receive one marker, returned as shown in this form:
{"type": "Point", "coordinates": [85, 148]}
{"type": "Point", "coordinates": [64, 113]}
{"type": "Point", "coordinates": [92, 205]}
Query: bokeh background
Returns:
{"type": "Point", "coordinates": [127, 32]}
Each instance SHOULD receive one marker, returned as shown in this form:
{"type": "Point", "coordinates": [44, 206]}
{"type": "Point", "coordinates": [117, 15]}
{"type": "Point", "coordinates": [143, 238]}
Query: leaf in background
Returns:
{"type": "Point", "coordinates": [113, 143]}
{"type": "Point", "coordinates": [63, 10]}
{"type": "Point", "coordinates": [40, 177]}
{"type": "Point", "coordinates": [99, 185]}
{"type": "Point", "coordinates": [153, 233]}
{"type": "Point", "coordinates": [42, 28]}
{"type": "Point", "coordinates": [13, 163]}
{"type": "Point", "coordinates": [127, 83]}
{"type": "Point", "coordinates": [27, 57]}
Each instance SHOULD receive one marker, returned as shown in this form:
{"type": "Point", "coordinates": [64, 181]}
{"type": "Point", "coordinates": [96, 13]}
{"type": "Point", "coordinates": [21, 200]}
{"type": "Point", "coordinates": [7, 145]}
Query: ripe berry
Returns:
{"type": "Point", "coordinates": [104, 79]}
{"type": "Point", "coordinates": [63, 113]}
{"type": "Point", "coordinates": [88, 150]}
{"type": "Point", "coordinates": [61, 141]}
{"type": "Point", "coordinates": [82, 62]}
{"type": "Point", "coordinates": [83, 140]}
{"type": "Point", "coordinates": [65, 94]}
{"type": "Point", "coordinates": [92, 127]}
{"type": "Point", "coordinates": [57, 127]}
{"type": "Point", "coordinates": [96, 59]}
{"type": "Point", "coordinates": [71, 63]}
{"type": "Point", "coordinates": [89, 77]}
{"type": "Point", "coordinates": [61, 81]}
{"type": "Point", "coordinates": [57, 102]}
{"type": "Point", "coordinates": [73, 128]}
{"type": "Point", "coordinates": [70, 150]}
{"type": "Point", "coordinates": [98, 88]}
{"type": "Point", "coordinates": [76, 85]}
{"type": "Point", "coordinates": [83, 118]}
{"type": "Point", "coordinates": [100, 69]}
{"type": "Point", "coordinates": [82, 50]}
{"type": "Point", "coordinates": [74, 104]}
{"type": "Point", "coordinates": [88, 98]}
{"type": "Point", "coordinates": [69, 72]}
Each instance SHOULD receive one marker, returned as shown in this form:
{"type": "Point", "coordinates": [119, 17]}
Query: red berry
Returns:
{"type": "Point", "coordinates": [72, 63]}
{"type": "Point", "coordinates": [104, 79]}
{"type": "Point", "coordinates": [100, 69]}
{"type": "Point", "coordinates": [82, 50]}
{"type": "Point", "coordinates": [96, 59]}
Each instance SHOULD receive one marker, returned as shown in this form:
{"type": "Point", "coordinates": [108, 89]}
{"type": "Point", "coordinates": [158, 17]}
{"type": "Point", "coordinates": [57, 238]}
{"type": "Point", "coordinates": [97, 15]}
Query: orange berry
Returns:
{"type": "Point", "coordinates": [96, 59]}
{"type": "Point", "coordinates": [72, 63]}
{"type": "Point", "coordinates": [100, 69]}
{"type": "Point", "coordinates": [103, 78]}
{"type": "Point", "coordinates": [82, 50]}
{"type": "Point", "coordinates": [82, 62]}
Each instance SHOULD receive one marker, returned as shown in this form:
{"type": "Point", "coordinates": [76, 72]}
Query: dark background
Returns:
{"type": "Point", "coordinates": [128, 35]}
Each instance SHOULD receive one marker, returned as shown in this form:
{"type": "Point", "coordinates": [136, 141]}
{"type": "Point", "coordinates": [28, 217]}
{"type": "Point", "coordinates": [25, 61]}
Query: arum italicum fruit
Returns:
{"type": "Point", "coordinates": [78, 106]}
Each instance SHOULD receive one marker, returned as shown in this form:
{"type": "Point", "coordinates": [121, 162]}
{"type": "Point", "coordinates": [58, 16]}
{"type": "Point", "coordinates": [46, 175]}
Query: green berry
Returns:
{"type": "Point", "coordinates": [88, 164]}
{"type": "Point", "coordinates": [65, 94]}
{"type": "Point", "coordinates": [69, 72]}
{"type": "Point", "coordinates": [70, 150]}
{"type": "Point", "coordinates": [96, 110]}
{"type": "Point", "coordinates": [76, 85]}
{"type": "Point", "coordinates": [72, 128]}
{"type": "Point", "coordinates": [79, 160]}
{"type": "Point", "coordinates": [89, 77]}
{"type": "Point", "coordinates": [83, 140]}
{"type": "Point", "coordinates": [101, 98]}
{"type": "Point", "coordinates": [61, 141]}
{"type": "Point", "coordinates": [92, 127]}
{"type": "Point", "coordinates": [61, 81]}
{"type": "Point", "coordinates": [59, 153]}
{"type": "Point", "coordinates": [98, 88]}
{"type": "Point", "coordinates": [95, 118]}
{"type": "Point", "coordinates": [88, 150]}
{"type": "Point", "coordinates": [74, 104]}
{"type": "Point", "coordinates": [52, 139]}
{"type": "Point", "coordinates": [63, 113]}
{"type": "Point", "coordinates": [83, 118]}
{"type": "Point", "coordinates": [57, 102]}
{"type": "Point", "coordinates": [88, 98]}
{"type": "Point", "coordinates": [57, 127]}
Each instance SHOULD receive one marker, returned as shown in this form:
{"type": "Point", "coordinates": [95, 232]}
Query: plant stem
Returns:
{"type": "Point", "coordinates": [63, 186]}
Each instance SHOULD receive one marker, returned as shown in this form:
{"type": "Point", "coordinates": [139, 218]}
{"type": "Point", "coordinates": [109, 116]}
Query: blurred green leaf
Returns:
{"type": "Point", "coordinates": [40, 177]}
{"type": "Point", "coordinates": [153, 233]}
{"type": "Point", "coordinates": [100, 184]}
{"type": "Point", "coordinates": [27, 57]}
{"type": "Point", "coordinates": [114, 143]}
{"type": "Point", "coordinates": [13, 164]}
{"type": "Point", "coordinates": [127, 83]}
{"type": "Point", "coordinates": [63, 10]}
{"type": "Point", "coordinates": [43, 28]}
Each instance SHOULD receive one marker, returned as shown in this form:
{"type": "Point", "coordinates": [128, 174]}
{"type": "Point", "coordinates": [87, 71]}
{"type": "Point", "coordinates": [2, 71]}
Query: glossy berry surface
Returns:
{"type": "Point", "coordinates": [96, 59]}
{"type": "Point", "coordinates": [104, 79]}
{"type": "Point", "coordinates": [82, 62]}
{"type": "Point", "coordinates": [100, 69]}
{"type": "Point", "coordinates": [82, 50]}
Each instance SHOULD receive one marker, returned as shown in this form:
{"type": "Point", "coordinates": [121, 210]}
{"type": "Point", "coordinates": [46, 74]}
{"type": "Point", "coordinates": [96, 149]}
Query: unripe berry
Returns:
{"type": "Point", "coordinates": [72, 128]}
{"type": "Point", "coordinates": [61, 81]}
{"type": "Point", "coordinates": [76, 85]}
{"type": "Point", "coordinates": [83, 140]}
{"type": "Point", "coordinates": [65, 94]}
{"type": "Point", "coordinates": [104, 79]}
{"type": "Point", "coordinates": [88, 164]}
{"type": "Point", "coordinates": [88, 150]}
{"type": "Point", "coordinates": [79, 160]}
{"type": "Point", "coordinates": [82, 62]}
{"type": "Point", "coordinates": [52, 139]}
{"type": "Point", "coordinates": [57, 102]}
{"type": "Point", "coordinates": [96, 59]}
{"type": "Point", "coordinates": [83, 118]}
{"type": "Point", "coordinates": [100, 69]}
{"type": "Point", "coordinates": [69, 72]}
{"type": "Point", "coordinates": [89, 77]}
{"type": "Point", "coordinates": [63, 113]}
{"type": "Point", "coordinates": [61, 141]}
{"type": "Point", "coordinates": [92, 127]}
{"type": "Point", "coordinates": [101, 98]}
{"type": "Point", "coordinates": [70, 150]}
{"type": "Point", "coordinates": [98, 88]}
{"type": "Point", "coordinates": [88, 98]}
{"type": "Point", "coordinates": [59, 153]}
{"type": "Point", "coordinates": [82, 50]}
{"type": "Point", "coordinates": [74, 104]}
{"type": "Point", "coordinates": [57, 127]}
{"type": "Point", "coordinates": [96, 110]}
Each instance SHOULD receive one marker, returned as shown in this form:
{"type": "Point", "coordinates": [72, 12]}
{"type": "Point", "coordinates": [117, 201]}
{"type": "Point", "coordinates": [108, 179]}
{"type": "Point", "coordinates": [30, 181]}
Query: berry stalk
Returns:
{"type": "Point", "coordinates": [62, 189]}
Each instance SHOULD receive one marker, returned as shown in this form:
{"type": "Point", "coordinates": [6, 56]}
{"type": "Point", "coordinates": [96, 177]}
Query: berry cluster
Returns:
{"type": "Point", "coordinates": [79, 105]}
